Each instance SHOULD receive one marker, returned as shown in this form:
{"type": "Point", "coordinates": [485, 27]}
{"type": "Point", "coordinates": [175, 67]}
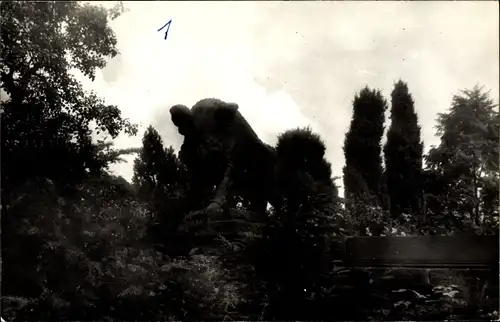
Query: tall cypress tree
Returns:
{"type": "Point", "coordinates": [362, 146]}
{"type": "Point", "coordinates": [403, 154]}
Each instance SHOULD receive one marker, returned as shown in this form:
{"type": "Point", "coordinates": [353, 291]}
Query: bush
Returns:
{"type": "Point", "coordinates": [87, 259]}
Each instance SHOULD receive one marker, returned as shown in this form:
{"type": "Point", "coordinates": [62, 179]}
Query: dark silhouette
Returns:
{"type": "Point", "coordinates": [221, 149]}
{"type": "Point", "coordinates": [403, 155]}
{"type": "Point", "coordinates": [362, 146]}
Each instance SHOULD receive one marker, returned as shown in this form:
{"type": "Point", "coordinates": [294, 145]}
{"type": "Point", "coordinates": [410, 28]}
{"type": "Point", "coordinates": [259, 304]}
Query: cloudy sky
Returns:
{"type": "Point", "coordinates": [290, 64]}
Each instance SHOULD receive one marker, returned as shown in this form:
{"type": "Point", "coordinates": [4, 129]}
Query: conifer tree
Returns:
{"type": "Point", "coordinates": [295, 238]}
{"type": "Point", "coordinates": [159, 181]}
{"type": "Point", "coordinates": [466, 160]}
{"type": "Point", "coordinates": [150, 166]}
{"type": "Point", "coordinates": [362, 147]}
{"type": "Point", "coordinates": [403, 154]}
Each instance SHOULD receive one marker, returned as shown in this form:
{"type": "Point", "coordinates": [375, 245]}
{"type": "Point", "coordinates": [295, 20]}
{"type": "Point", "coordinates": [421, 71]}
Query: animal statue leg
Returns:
{"type": "Point", "coordinates": [199, 191]}
{"type": "Point", "coordinates": [221, 192]}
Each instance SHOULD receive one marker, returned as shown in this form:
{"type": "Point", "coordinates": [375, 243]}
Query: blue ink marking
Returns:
{"type": "Point", "coordinates": [167, 24]}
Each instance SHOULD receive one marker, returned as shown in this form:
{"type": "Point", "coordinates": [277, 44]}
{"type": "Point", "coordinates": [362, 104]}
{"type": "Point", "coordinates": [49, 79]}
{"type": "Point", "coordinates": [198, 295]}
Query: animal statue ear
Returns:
{"type": "Point", "coordinates": [225, 113]}
{"type": "Point", "coordinates": [182, 118]}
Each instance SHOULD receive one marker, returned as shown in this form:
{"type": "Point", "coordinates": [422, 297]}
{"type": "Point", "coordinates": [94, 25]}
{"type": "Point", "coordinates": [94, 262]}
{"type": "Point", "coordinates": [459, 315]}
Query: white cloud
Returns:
{"type": "Point", "coordinates": [290, 64]}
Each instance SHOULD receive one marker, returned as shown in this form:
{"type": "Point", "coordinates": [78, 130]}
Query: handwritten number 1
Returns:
{"type": "Point", "coordinates": [168, 27]}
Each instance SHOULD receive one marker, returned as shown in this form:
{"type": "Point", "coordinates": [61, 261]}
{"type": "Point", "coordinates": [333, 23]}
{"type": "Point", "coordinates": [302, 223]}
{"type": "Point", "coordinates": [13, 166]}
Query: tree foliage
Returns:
{"type": "Point", "coordinates": [466, 161]}
{"type": "Point", "coordinates": [160, 181]}
{"type": "Point", "coordinates": [296, 235]}
{"type": "Point", "coordinates": [48, 116]}
{"type": "Point", "coordinates": [363, 172]}
{"type": "Point", "coordinates": [403, 155]}
{"type": "Point", "coordinates": [156, 167]}
{"type": "Point", "coordinates": [362, 145]}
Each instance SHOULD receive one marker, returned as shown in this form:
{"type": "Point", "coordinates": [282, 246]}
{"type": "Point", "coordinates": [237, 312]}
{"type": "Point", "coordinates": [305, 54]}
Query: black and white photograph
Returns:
{"type": "Point", "coordinates": [249, 160]}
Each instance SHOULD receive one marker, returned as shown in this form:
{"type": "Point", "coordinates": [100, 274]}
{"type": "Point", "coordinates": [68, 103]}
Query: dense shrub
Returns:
{"type": "Point", "coordinates": [88, 260]}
